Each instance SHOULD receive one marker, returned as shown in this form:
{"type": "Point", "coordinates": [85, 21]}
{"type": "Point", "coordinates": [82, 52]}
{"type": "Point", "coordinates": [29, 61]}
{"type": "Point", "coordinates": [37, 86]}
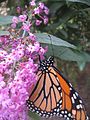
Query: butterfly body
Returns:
{"type": "Point", "coordinates": [53, 95]}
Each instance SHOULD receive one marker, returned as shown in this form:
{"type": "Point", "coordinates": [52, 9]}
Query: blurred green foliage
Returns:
{"type": "Point", "coordinates": [70, 21]}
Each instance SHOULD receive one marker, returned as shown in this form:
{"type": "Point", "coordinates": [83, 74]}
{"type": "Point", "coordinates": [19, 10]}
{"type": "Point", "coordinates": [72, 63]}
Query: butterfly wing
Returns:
{"type": "Point", "coordinates": [53, 95]}
{"type": "Point", "coordinates": [72, 105]}
{"type": "Point", "coordinates": [45, 95]}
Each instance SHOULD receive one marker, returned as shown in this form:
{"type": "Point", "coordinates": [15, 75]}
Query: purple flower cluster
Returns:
{"type": "Point", "coordinates": [18, 54]}
{"type": "Point", "coordinates": [39, 14]}
{"type": "Point", "coordinates": [17, 75]}
{"type": "Point", "coordinates": [41, 11]}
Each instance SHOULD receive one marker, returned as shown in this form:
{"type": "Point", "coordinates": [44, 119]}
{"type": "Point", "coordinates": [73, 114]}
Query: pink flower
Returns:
{"type": "Point", "coordinates": [9, 59]}
{"type": "Point", "coordinates": [2, 83]}
{"type": "Point", "coordinates": [31, 48]}
{"type": "Point", "coordinates": [22, 18]}
{"type": "Point", "coordinates": [11, 109]}
{"type": "Point", "coordinates": [18, 55]}
{"type": "Point", "coordinates": [32, 36]}
{"type": "Point", "coordinates": [37, 46]}
{"type": "Point", "coordinates": [1, 77]}
{"type": "Point", "coordinates": [4, 39]}
{"type": "Point", "coordinates": [13, 25]}
{"type": "Point", "coordinates": [46, 10]}
{"type": "Point", "coordinates": [3, 53]}
{"type": "Point", "coordinates": [3, 65]}
{"type": "Point", "coordinates": [32, 3]}
{"type": "Point", "coordinates": [38, 22]}
{"type": "Point", "coordinates": [36, 10]}
{"type": "Point", "coordinates": [15, 19]}
{"type": "Point", "coordinates": [13, 96]}
{"type": "Point", "coordinates": [26, 27]}
{"type": "Point", "coordinates": [42, 51]}
{"type": "Point", "coordinates": [45, 19]}
{"type": "Point", "coordinates": [18, 9]}
{"type": "Point", "coordinates": [41, 5]}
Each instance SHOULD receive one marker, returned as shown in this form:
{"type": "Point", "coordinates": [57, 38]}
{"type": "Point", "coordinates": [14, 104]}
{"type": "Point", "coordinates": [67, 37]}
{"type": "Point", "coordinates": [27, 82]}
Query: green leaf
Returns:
{"type": "Point", "coordinates": [81, 65]}
{"type": "Point", "coordinates": [56, 7]}
{"type": "Point", "coordinates": [67, 54]}
{"type": "Point", "coordinates": [61, 49]}
{"type": "Point", "coordinates": [34, 116]}
{"type": "Point", "coordinates": [84, 56]}
{"type": "Point", "coordinates": [4, 20]}
{"type": "Point", "coordinates": [87, 2]}
{"type": "Point", "coordinates": [73, 25]}
{"type": "Point", "coordinates": [64, 33]}
{"type": "Point", "coordinates": [52, 40]}
{"type": "Point", "coordinates": [4, 33]}
{"type": "Point", "coordinates": [63, 17]}
{"type": "Point", "coordinates": [69, 13]}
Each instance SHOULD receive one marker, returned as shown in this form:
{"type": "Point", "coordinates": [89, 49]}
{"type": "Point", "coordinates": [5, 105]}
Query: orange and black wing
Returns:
{"type": "Point", "coordinates": [53, 95]}
{"type": "Point", "coordinates": [46, 95]}
{"type": "Point", "coordinates": [72, 105]}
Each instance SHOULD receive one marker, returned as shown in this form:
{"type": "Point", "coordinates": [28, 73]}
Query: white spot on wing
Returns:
{"type": "Point", "coordinates": [58, 110]}
{"type": "Point", "coordinates": [78, 106]}
{"type": "Point", "coordinates": [80, 101]}
{"type": "Point", "coordinates": [59, 88]}
{"type": "Point", "coordinates": [69, 114]}
{"type": "Point", "coordinates": [73, 100]}
{"type": "Point", "coordinates": [61, 115]}
{"type": "Point", "coordinates": [74, 96]}
{"type": "Point", "coordinates": [62, 112]}
{"type": "Point", "coordinates": [76, 93]}
{"type": "Point", "coordinates": [65, 116]}
{"type": "Point", "coordinates": [70, 88]}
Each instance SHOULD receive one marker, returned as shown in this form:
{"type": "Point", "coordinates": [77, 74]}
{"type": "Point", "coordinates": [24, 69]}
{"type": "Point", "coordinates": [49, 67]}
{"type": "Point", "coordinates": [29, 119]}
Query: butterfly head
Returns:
{"type": "Point", "coordinates": [45, 64]}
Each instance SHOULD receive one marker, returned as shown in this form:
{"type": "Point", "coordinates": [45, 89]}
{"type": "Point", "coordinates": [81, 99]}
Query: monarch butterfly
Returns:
{"type": "Point", "coordinates": [54, 95]}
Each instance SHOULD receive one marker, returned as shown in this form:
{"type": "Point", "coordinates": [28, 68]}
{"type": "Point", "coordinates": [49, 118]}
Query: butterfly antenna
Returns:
{"type": "Point", "coordinates": [53, 48]}
{"type": "Point", "coordinates": [51, 44]}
